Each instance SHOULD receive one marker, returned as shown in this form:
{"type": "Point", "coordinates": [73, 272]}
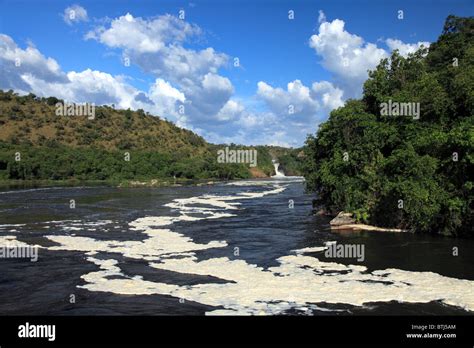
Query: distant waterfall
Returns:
{"type": "Point", "coordinates": [278, 173]}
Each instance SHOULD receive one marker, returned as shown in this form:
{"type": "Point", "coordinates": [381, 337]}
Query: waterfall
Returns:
{"type": "Point", "coordinates": [278, 174]}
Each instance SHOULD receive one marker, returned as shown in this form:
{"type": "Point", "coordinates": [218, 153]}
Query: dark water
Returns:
{"type": "Point", "coordinates": [263, 229]}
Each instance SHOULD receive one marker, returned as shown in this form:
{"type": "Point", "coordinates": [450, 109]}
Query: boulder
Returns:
{"type": "Point", "coordinates": [342, 218]}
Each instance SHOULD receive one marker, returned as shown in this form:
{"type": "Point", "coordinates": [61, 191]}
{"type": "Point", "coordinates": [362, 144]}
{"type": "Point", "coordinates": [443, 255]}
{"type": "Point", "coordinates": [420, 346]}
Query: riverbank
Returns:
{"type": "Point", "coordinates": [346, 223]}
{"type": "Point", "coordinates": [21, 184]}
{"type": "Point", "coordinates": [165, 182]}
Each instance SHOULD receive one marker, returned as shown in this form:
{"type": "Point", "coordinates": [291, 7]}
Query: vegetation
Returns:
{"type": "Point", "coordinates": [400, 171]}
{"type": "Point", "coordinates": [55, 147]}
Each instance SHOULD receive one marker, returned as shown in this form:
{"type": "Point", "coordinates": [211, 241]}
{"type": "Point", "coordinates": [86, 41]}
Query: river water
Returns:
{"type": "Point", "coordinates": [245, 248]}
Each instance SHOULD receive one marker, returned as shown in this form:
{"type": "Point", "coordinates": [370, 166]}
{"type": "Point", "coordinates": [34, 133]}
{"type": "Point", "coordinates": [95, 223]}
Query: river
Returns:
{"type": "Point", "coordinates": [244, 248]}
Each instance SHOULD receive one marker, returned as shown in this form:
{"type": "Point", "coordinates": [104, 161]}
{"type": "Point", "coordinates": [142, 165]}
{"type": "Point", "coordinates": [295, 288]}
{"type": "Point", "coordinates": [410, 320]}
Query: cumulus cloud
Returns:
{"type": "Point", "coordinates": [98, 87]}
{"type": "Point", "coordinates": [331, 96]}
{"type": "Point", "coordinates": [166, 101]}
{"type": "Point", "coordinates": [296, 110]}
{"type": "Point", "coordinates": [157, 47]}
{"type": "Point", "coordinates": [141, 35]}
{"type": "Point", "coordinates": [74, 14]}
{"type": "Point", "coordinates": [18, 63]}
{"type": "Point", "coordinates": [230, 111]}
{"type": "Point", "coordinates": [299, 101]}
{"type": "Point", "coordinates": [27, 70]}
{"type": "Point", "coordinates": [262, 135]}
{"type": "Point", "coordinates": [404, 48]}
{"type": "Point", "coordinates": [296, 100]}
{"type": "Point", "coordinates": [348, 56]}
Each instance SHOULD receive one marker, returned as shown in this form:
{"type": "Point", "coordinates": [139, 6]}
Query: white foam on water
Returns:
{"type": "Point", "coordinates": [12, 241]}
{"type": "Point", "coordinates": [309, 250]}
{"type": "Point", "coordinates": [211, 200]}
{"type": "Point", "coordinates": [298, 282]}
{"type": "Point", "coordinates": [314, 249]}
{"type": "Point", "coordinates": [61, 221]}
{"type": "Point", "coordinates": [31, 190]}
{"type": "Point", "coordinates": [91, 223]}
{"type": "Point", "coordinates": [266, 182]}
{"type": "Point", "coordinates": [161, 242]}
{"type": "Point", "coordinates": [71, 228]}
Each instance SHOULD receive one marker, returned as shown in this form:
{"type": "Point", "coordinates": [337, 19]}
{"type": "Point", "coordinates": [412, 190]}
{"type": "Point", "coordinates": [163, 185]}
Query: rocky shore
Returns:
{"type": "Point", "coordinates": [345, 222]}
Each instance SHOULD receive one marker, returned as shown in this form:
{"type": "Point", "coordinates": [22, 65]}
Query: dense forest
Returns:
{"type": "Point", "coordinates": [116, 145]}
{"type": "Point", "coordinates": [415, 173]}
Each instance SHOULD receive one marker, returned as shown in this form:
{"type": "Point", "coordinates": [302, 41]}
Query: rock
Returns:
{"type": "Point", "coordinates": [342, 218]}
{"type": "Point", "coordinates": [344, 222]}
{"type": "Point", "coordinates": [363, 227]}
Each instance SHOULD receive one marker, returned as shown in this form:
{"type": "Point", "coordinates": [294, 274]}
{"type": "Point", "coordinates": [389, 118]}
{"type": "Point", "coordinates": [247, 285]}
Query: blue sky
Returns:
{"type": "Point", "coordinates": [292, 71]}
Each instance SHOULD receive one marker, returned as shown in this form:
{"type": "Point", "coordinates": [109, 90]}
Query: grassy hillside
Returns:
{"type": "Point", "coordinates": [27, 119]}
{"type": "Point", "coordinates": [53, 147]}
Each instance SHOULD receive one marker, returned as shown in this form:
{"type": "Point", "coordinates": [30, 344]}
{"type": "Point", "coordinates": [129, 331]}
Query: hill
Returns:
{"type": "Point", "coordinates": [112, 145]}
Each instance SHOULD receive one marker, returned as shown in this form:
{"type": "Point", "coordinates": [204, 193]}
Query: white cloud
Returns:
{"type": "Point", "coordinates": [321, 17]}
{"type": "Point", "coordinates": [230, 111]}
{"type": "Point", "coordinates": [44, 77]}
{"type": "Point", "coordinates": [75, 14]}
{"type": "Point", "coordinates": [296, 101]}
{"type": "Point", "coordinates": [157, 46]}
{"type": "Point", "coordinates": [162, 89]}
{"type": "Point", "coordinates": [404, 48]}
{"type": "Point", "coordinates": [265, 137]}
{"type": "Point", "coordinates": [98, 87]}
{"type": "Point", "coordinates": [331, 96]}
{"type": "Point", "coordinates": [17, 63]}
{"type": "Point", "coordinates": [348, 56]}
{"type": "Point", "coordinates": [310, 106]}
{"type": "Point", "coordinates": [143, 36]}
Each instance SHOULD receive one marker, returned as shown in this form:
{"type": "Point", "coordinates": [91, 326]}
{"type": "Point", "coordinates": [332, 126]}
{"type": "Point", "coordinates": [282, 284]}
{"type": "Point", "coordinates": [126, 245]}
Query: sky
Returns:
{"type": "Point", "coordinates": [237, 71]}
